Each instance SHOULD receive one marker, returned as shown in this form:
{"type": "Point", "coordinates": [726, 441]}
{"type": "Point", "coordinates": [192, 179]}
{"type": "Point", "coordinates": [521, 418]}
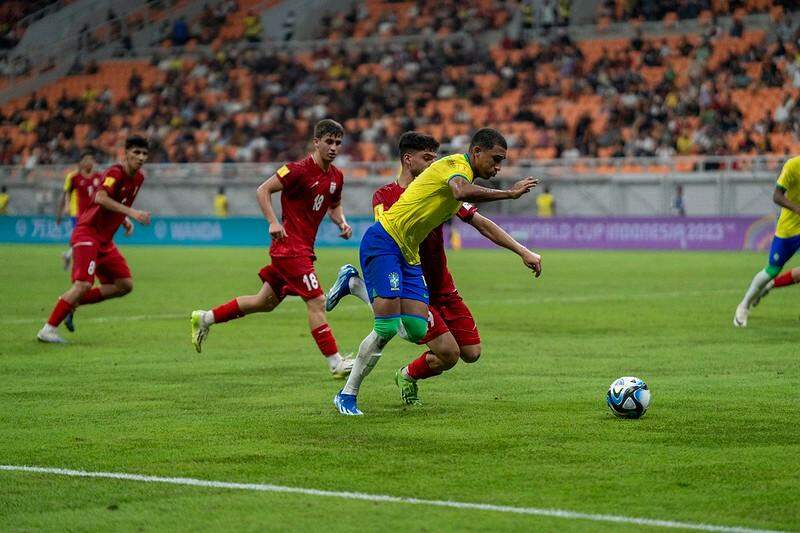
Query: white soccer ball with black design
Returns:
{"type": "Point", "coordinates": [628, 397]}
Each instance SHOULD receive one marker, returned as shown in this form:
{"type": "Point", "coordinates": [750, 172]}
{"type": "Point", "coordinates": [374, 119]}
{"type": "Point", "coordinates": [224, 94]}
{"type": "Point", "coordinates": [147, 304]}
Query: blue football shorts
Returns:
{"type": "Point", "coordinates": [782, 250]}
{"type": "Point", "coordinates": [387, 274]}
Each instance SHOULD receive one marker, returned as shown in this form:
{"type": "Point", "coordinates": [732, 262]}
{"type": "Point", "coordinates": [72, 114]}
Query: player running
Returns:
{"type": "Point", "coordinates": [79, 186]}
{"type": "Point", "coordinates": [93, 250]}
{"type": "Point", "coordinates": [790, 277]}
{"type": "Point", "coordinates": [452, 333]}
{"type": "Point", "coordinates": [310, 189]}
{"type": "Point", "coordinates": [389, 251]}
{"type": "Point", "coordinates": [785, 243]}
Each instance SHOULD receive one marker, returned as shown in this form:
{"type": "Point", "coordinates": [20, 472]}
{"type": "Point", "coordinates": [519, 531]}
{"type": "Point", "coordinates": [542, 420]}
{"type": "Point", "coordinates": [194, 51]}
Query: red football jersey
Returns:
{"type": "Point", "coordinates": [100, 223]}
{"type": "Point", "coordinates": [308, 193]}
{"type": "Point", "coordinates": [431, 250]}
{"type": "Point", "coordinates": [85, 187]}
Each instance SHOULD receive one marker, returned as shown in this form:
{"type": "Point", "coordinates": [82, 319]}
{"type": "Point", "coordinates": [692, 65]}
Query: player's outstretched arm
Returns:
{"type": "Point", "coordinates": [336, 214]}
{"type": "Point", "coordinates": [779, 197]}
{"type": "Point", "coordinates": [63, 206]}
{"type": "Point", "coordinates": [102, 199]}
{"type": "Point", "coordinates": [498, 235]}
{"type": "Point", "coordinates": [464, 191]}
{"type": "Point", "coordinates": [264, 196]}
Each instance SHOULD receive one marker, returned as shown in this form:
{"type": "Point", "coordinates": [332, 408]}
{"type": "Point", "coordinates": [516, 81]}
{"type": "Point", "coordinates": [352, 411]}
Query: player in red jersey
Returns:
{"type": "Point", "coordinates": [93, 249]}
{"type": "Point", "coordinates": [452, 333]}
{"type": "Point", "coordinates": [79, 187]}
{"type": "Point", "coordinates": [310, 189]}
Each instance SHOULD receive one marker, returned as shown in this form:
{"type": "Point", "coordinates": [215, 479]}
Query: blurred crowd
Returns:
{"type": "Point", "coordinates": [250, 104]}
{"type": "Point", "coordinates": [621, 10]}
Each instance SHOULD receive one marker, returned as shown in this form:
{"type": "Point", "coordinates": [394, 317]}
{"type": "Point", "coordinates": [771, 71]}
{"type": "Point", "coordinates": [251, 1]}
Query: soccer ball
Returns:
{"type": "Point", "coordinates": [628, 397]}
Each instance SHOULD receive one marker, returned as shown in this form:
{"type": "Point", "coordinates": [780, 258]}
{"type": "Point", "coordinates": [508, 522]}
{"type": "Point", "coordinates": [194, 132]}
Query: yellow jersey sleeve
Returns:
{"type": "Point", "coordinates": [789, 182]}
{"type": "Point", "coordinates": [788, 177]}
{"type": "Point", "coordinates": [68, 181]}
{"type": "Point", "coordinates": [457, 167]}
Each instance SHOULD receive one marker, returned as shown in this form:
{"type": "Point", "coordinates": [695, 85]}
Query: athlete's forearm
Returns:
{"type": "Point", "coordinates": [336, 214]}
{"type": "Point", "coordinates": [779, 197]}
{"type": "Point", "coordinates": [264, 197]}
{"type": "Point", "coordinates": [469, 192]}
{"type": "Point", "coordinates": [63, 206]}
{"type": "Point", "coordinates": [106, 202]}
{"type": "Point", "coordinates": [489, 229]}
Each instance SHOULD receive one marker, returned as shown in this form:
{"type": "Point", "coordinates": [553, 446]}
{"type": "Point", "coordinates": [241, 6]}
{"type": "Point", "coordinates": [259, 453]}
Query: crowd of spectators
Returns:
{"type": "Point", "coordinates": [423, 18]}
{"type": "Point", "coordinates": [251, 104]}
{"type": "Point", "coordinates": [622, 10]}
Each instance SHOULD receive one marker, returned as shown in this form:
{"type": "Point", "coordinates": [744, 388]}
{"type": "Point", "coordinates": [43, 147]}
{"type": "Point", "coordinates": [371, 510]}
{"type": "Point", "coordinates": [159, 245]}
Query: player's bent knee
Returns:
{"type": "Point", "coordinates": [316, 305]}
{"type": "Point", "coordinates": [773, 270]}
{"type": "Point", "coordinates": [124, 286]}
{"type": "Point", "coordinates": [471, 354]}
{"type": "Point", "coordinates": [386, 327]}
{"type": "Point", "coordinates": [448, 357]}
{"type": "Point", "coordinates": [415, 327]}
{"type": "Point", "coordinates": [81, 287]}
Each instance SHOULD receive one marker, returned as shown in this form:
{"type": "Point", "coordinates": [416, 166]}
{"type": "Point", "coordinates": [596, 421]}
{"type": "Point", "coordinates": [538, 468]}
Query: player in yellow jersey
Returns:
{"type": "Point", "coordinates": [389, 251]}
{"type": "Point", "coordinates": [221, 203]}
{"type": "Point", "coordinates": [4, 199]}
{"type": "Point", "coordinates": [785, 243]}
{"type": "Point", "coordinates": [546, 204]}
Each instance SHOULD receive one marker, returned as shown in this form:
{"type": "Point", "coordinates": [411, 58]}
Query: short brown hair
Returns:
{"type": "Point", "coordinates": [414, 141]}
{"type": "Point", "coordinates": [137, 141]}
{"type": "Point", "coordinates": [328, 126]}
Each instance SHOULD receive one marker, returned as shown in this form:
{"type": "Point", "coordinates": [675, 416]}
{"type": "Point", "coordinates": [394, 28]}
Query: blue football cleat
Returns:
{"type": "Point", "coordinates": [69, 322]}
{"type": "Point", "coordinates": [346, 404]}
{"type": "Point", "coordinates": [341, 287]}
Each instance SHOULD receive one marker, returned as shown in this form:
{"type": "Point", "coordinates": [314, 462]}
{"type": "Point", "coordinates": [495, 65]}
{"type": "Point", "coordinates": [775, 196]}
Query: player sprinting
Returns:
{"type": "Point", "coordinates": [79, 186]}
{"type": "Point", "coordinates": [790, 277]}
{"type": "Point", "coordinates": [309, 189]}
{"type": "Point", "coordinates": [93, 250]}
{"type": "Point", "coordinates": [452, 333]}
{"type": "Point", "coordinates": [389, 251]}
{"type": "Point", "coordinates": [785, 242]}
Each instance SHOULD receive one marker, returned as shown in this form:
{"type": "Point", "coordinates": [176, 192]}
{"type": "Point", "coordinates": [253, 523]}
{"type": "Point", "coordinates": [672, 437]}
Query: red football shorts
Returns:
{"type": "Point", "coordinates": [450, 313]}
{"type": "Point", "coordinates": [292, 276]}
{"type": "Point", "coordinates": [89, 259]}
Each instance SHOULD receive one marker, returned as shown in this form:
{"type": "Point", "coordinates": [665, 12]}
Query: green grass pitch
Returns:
{"type": "Point", "coordinates": [526, 426]}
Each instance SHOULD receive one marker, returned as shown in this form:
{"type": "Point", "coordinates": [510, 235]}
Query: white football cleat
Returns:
{"type": "Point", "coordinates": [199, 329]}
{"type": "Point", "coordinates": [740, 317]}
{"type": "Point", "coordinates": [764, 292]}
{"type": "Point", "coordinates": [343, 369]}
{"type": "Point", "coordinates": [49, 334]}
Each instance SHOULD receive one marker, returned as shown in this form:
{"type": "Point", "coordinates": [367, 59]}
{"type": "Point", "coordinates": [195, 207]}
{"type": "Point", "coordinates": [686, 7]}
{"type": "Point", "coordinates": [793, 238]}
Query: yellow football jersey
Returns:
{"type": "Point", "coordinates": [73, 194]}
{"type": "Point", "coordinates": [221, 205]}
{"type": "Point", "coordinates": [426, 203]}
{"type": "Point", "coordinates": [544, 204]}
{"type": "Point", "coordinates": [789, 180]}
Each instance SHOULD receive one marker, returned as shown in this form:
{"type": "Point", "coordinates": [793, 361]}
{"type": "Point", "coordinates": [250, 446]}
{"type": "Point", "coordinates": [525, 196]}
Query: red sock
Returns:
{"type": "Point", "coordinates": [60, 312]}
{"type": "Point", "coordinates": [92, 296]}
{"type": "Point", "coordinates": [228, 311]}
{"type": "Point", "coordinates": [785, 279]}
{"type": "Point", "coordinates": [419, 368]}
{"type": "Point", "coordinates": [325, 341]}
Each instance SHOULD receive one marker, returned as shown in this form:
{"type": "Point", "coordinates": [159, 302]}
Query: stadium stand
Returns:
{"type": "Point", "coordinates": [721, 91]}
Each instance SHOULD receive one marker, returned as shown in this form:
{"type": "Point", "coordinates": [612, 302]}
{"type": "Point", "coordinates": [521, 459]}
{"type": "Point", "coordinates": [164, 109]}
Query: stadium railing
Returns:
{"type": "Point", "coordinates": [716, 186]}
{"type": "Point", "coordinates": [654, 167]}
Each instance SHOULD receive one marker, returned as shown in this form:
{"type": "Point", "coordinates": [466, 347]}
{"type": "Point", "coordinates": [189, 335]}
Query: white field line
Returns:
{"type": "Point", "coordinates": [352, 303]}
{"type": "Point", "coordinates": [262, 487]}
